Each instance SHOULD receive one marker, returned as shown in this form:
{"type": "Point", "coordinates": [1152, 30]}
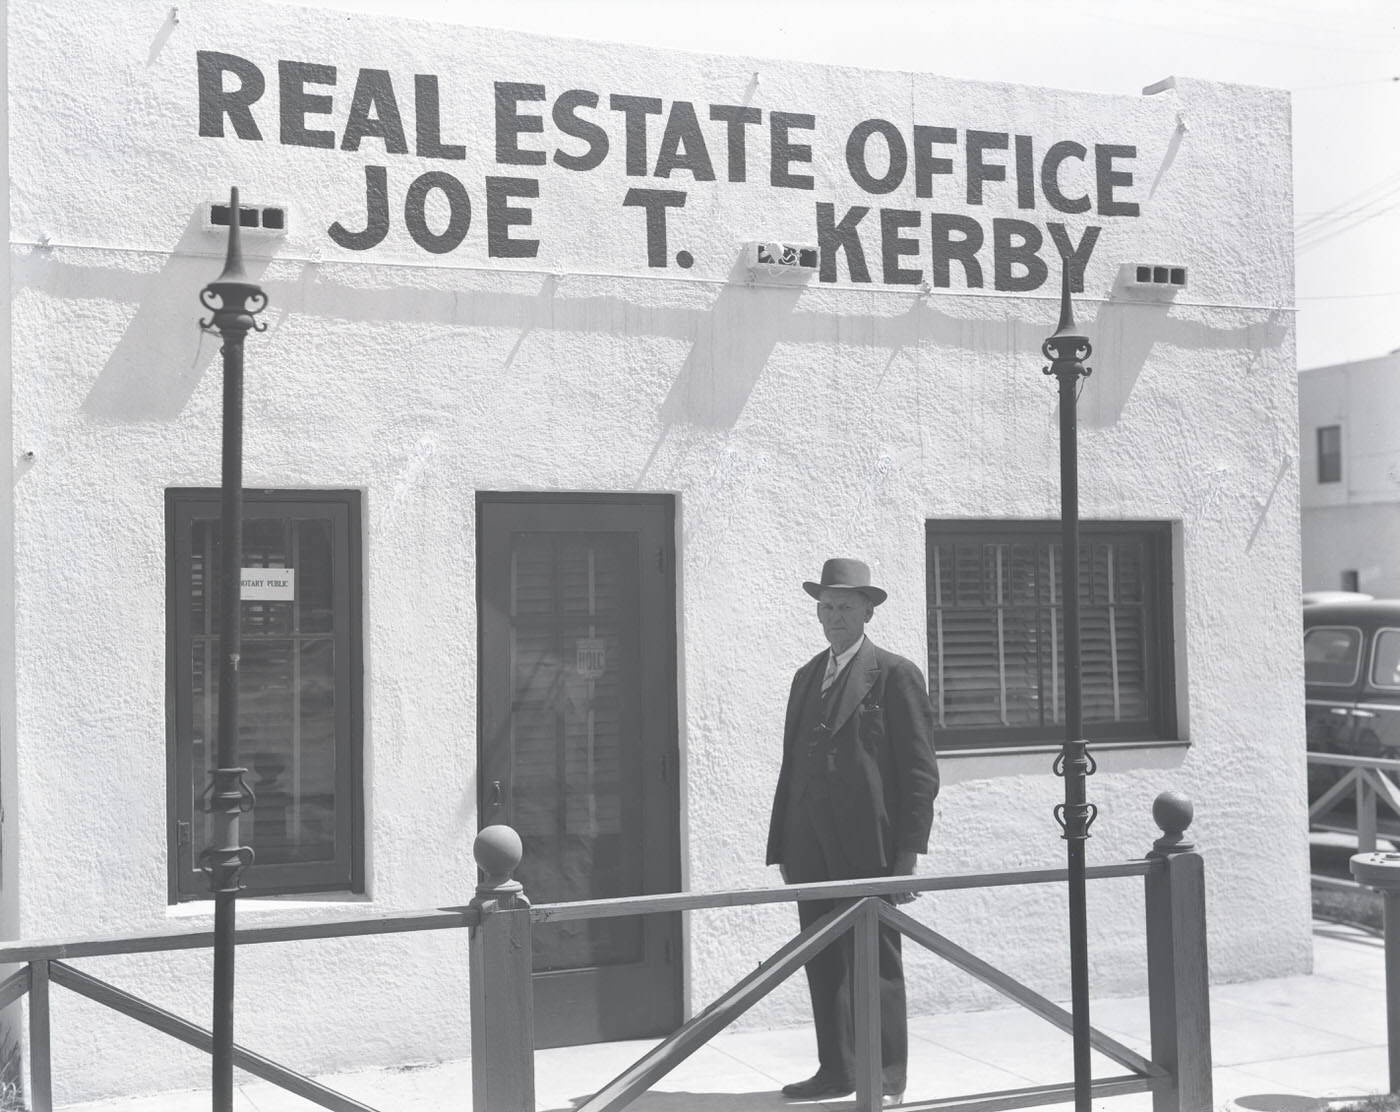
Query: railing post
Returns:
{"type": "Point", "coordinates": [502, 1002]}
{"type": "Point", "coordinates": [40, 1062]}
{"type": "Point", "coordinates": [866, 1001]}
{"type": "Point", "coordinates": [1178, 976]}
{"type": "Point", "coordinates": [1381, 871]}
{"type": "Point", "coordinates": [1365, 810]}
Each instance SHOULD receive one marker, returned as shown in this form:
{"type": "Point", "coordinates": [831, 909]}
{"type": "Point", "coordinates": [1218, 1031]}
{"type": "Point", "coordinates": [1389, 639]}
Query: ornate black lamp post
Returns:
{"type": "Point", "coordinates": [1067, 349]}
{"type": "Point", "coordinates": [234, 303]}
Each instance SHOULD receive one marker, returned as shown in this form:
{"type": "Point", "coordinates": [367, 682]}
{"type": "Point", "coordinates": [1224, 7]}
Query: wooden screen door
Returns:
{"type": "Point", "coordinates": [578, 744]}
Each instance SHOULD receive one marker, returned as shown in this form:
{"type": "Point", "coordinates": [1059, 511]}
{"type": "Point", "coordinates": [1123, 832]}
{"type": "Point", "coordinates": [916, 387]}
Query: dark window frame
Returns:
{"type": "Point", "coordinates": [1160, 721]}
{"type": "Point", "coordinates": [1329, 456]}
{"type": "Point", "coordinates": [345, 872]}
{"type": "Point", "coordinates": [1378, 641]}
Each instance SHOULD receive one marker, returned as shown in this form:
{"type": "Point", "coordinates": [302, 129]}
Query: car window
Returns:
{"type": "Point", "coordinates": [1385, 661]}
{"type": "Point", "coordinates": [1332, 655]}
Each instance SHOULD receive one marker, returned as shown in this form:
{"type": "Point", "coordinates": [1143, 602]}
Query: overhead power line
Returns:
{"type": "Point", "coordinates": [1356, 202]}
{"type": "Point", "coordinates": [1255, 30]}
{"type": "Point", "coordinates": [1307, 243]}
{"type": "Point", "coordinates": [1345, 296]}
{"type": "Point", "coordinates": [1360, 208]}
{"type": "Point", "coordinates": [1346, 84]}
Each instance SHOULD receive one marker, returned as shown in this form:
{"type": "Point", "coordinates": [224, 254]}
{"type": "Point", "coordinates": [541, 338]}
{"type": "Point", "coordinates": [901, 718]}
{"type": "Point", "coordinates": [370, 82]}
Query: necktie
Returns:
{"type": "Point", "coordinates": [830, 676]}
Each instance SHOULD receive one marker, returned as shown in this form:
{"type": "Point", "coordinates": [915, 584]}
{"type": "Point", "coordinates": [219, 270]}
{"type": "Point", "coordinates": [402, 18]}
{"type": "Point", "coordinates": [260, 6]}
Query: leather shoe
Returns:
{"type": "Point", "coordinates": [820, 1086]}
{"type": "Point", "coordinates": [891, 1099]}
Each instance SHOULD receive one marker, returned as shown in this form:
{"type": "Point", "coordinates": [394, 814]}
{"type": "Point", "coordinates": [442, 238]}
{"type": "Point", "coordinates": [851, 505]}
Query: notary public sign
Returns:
{"type": "Point", "coordinates": [268, 585]}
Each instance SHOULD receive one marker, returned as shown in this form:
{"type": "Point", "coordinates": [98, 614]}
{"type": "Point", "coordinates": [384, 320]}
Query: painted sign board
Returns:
{"type": "Point", "coordinates": [590, 657]}
{"type": "Point", "coordinates": [481, 160]}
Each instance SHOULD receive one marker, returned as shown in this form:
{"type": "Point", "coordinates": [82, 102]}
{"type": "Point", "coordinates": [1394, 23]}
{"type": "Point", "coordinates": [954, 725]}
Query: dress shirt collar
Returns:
{"type": "Point", "coordinates": [845, 658]}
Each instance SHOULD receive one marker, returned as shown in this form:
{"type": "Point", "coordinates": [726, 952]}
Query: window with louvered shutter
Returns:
{"type": "Point", "coordinates": [299, 689]}
{"type": "Point", "coordinates": [996, 631]}
{"type": "Point", "coordinates": [569, 595]}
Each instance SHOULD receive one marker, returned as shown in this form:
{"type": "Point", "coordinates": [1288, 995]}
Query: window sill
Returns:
{"type": "Point", "coordinates": [957, 765]}
{"type": "Point", "coordinates": [1055, 747]}
{"type": "Point", "coordinates": [292, 906]}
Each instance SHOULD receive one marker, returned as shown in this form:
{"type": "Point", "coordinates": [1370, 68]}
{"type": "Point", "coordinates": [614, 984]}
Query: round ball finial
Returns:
{"type": "Point", "coordinates": [498, 851]}
{"type": "Point", "coordinates": [1172, 813]}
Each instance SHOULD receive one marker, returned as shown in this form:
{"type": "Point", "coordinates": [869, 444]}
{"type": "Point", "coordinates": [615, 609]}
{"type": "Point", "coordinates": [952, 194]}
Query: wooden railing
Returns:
{"type": "Point", "coordinates": [500, 921]}
{"type": "Point", "coordinates": [1367, 783]}
{"type": "Point", "coordinates": [45, 963]}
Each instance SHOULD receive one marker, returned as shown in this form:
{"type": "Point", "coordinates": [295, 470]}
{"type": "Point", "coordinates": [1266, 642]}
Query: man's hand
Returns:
{"type": "Point", "coordinates": [905, 862]}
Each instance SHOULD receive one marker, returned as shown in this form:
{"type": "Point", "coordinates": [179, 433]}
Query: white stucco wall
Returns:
{"type": "Point", "coordinates": [10, 1046]}
{"type": "Point", "coordinates": [790, 423]}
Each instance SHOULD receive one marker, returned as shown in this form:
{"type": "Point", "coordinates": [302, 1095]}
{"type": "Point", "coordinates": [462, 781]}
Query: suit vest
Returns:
{"type": "Point", "coordinates": [814, 754]}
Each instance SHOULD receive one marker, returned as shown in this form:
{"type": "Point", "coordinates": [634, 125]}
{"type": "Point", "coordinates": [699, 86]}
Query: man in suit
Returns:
{"type": "Point", "coordinates": [854, 799]}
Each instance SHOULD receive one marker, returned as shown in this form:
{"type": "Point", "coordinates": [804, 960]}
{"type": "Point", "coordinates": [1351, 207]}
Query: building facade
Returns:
{"type": "Point", "coordinates": [1350, 476]}
{"type": "Point", "coordinates": [580, 359]}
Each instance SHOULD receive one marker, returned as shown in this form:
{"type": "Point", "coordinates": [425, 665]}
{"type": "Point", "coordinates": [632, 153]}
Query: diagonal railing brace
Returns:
{"type": "Point", "coordinates": [13, 987]}
{"type": "Point", "coordinates": [690, 1037]}
{"type": "Point", "coordinates": [1012, 989]}
{"type": "Point", "coordinates": [200, 1037]}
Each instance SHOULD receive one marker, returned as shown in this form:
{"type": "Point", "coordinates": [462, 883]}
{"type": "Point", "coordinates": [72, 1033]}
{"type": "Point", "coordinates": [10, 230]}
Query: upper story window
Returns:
{"type": "Point", "coordinates": [299, 687]}
{"type": "Point", "coordinates": [1329, 454]}
{"type": "Point", "coordinates": [996, 632]}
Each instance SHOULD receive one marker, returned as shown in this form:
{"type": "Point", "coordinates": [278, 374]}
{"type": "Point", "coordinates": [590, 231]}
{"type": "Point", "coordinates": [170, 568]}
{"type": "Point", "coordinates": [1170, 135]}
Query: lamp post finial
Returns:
{"type": "Point", "coordinates": [233, 300]}
{"type": "Point", "coordinates": [233, 261]}
{"type": "Point", "coordinates": [1067, 347]}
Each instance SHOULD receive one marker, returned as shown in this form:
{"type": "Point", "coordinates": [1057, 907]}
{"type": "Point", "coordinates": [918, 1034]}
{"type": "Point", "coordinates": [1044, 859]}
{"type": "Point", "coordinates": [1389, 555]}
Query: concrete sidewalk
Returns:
{"type": "Point", "coordinates": [1281, 1045]}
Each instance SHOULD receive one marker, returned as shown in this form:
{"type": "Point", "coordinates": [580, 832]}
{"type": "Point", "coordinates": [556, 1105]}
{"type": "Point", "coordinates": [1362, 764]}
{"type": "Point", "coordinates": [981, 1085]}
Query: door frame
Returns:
{"type": "Point", "coordinates": [668, 731]}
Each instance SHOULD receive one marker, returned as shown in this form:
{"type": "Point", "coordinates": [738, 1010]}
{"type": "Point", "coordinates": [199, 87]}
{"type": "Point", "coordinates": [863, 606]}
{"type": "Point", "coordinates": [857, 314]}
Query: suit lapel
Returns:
{"type": "Point", "coordinates": [811, 673]}
{"type": "Point", "coordinates": [860, 677]}
{"type": "Point", "coordinates": [807, 675]}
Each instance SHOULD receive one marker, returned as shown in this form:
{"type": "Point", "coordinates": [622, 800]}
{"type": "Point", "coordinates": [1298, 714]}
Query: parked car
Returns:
{"type": "Point", "coordinates": [1312, 598]}
{"type": "Point", "coordinates": [1351, 666]}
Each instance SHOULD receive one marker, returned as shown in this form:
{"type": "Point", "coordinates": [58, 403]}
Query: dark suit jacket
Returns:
{"type": "Point", "coordinates": [885, 776]}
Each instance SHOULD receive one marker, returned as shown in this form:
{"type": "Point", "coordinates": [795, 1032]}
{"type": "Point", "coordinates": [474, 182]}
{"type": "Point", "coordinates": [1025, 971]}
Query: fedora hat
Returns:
{"type": "Point", "coordinates": [848, 574]}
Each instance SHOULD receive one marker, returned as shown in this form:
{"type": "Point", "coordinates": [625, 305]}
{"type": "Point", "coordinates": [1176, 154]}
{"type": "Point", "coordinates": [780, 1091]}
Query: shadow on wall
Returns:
{"type": "Point", "coordinates": [144, 379]}
{"type": "Point", "coordinates": [149, 378]}
{"type": "Point", "coordinates": [730, 346]}
{"type": "Point", "coordinates": [1134, 320]}
{"type": "Point", "coordinates": [1122, 333]}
